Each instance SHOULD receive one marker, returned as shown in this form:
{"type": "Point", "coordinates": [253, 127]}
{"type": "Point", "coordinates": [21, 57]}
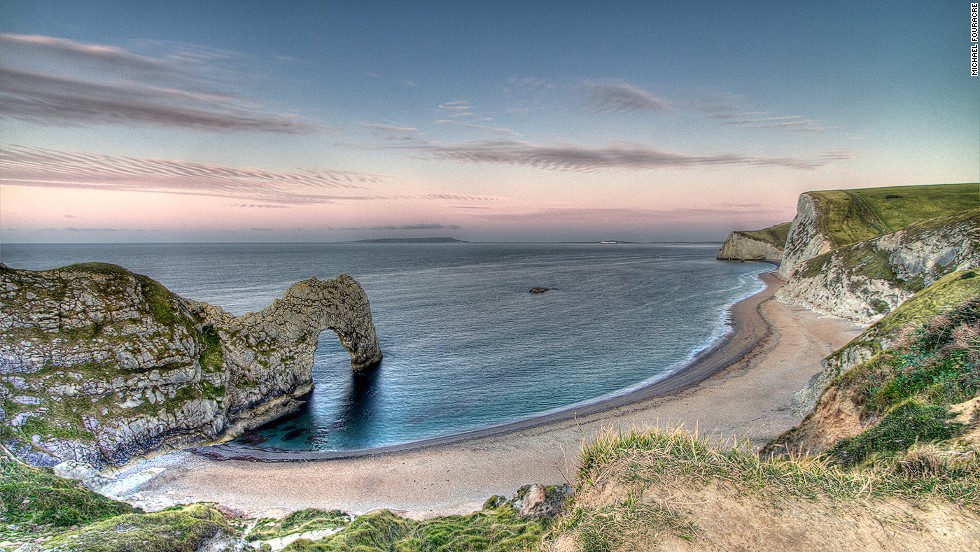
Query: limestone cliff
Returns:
{"type": "Point", "coordinates": [755, 245]}
{"type": "Point", "coordinates": [805, 239]}
{"type": "Point", "coordinates": [99, 365]}
{"type": "Point", "coordinates": [866, 280]}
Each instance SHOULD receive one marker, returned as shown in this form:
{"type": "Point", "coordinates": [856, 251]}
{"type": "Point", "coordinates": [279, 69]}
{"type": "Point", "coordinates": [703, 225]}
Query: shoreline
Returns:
{"type": "Point", "coordinates": [741, 387]}
{"type": "Point", "coordinates": [748, 329]}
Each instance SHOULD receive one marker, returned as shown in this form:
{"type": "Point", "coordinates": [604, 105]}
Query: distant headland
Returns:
{"type": "Point", "coordinates": [438, 239]}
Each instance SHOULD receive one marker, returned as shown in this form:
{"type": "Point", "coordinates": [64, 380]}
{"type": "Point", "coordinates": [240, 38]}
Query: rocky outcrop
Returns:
{"type": "Point", "coordinates": [741, 246]}
{"type": "Point", "coordinates": [805, 239]}
{"type": "Point", "coordinates": [866, 280]}
{"type": "Point", "coordinates": [98, 365]}
{"type": "Point", "coordinates": [534, 501]}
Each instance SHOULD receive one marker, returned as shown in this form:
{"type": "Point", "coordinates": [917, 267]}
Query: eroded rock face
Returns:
{"type": "Point", "coordinates": [98, 365]}
{"type": "Point", "coordinates": [742, 247]}
{"type": "Point", "coordinates": [866, 280]}
{"type": "Point", "coordinates": [806, 240]}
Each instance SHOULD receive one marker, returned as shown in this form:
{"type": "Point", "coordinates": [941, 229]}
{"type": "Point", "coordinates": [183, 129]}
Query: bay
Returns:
{"type": "Point", "coordinates": [466, 346]}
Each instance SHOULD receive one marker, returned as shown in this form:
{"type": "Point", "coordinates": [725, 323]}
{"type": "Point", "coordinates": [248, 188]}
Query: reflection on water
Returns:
{"type": "Point", "coordinates": [358, 411]}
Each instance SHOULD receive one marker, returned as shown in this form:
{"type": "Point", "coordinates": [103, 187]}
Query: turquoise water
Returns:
{"type": "Point", "coordinates": [466, 346]}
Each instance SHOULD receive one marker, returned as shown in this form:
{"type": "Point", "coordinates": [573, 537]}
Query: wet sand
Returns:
{"type": "Point", "coordinates": [741, 387]}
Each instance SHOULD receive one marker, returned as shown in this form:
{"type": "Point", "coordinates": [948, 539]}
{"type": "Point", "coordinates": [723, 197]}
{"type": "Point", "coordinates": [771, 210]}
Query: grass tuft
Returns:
{"type": "Point", "coordinates": [499, 528]}
{"type": "Point", "coordinates": [181, 529]}
{"type": "Point", "coordinates": [302, 521]}
{"type": "Point", "coordinates": [36, 500]}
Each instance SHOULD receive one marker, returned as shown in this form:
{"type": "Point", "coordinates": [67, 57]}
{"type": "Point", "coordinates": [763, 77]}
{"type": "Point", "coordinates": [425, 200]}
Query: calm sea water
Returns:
{"type": "Point", "coordinates": [466, 346]}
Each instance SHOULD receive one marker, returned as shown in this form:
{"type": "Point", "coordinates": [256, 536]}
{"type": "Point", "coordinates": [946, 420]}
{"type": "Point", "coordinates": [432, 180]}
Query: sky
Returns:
{"type": "Point", "coordinates": [487, 121]}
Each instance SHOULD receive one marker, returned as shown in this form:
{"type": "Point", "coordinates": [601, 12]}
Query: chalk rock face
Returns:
{"type": "Point", "coordinates": [99, 365]}
{"type": "Point", "coordinates": [742, 247]}
{"type": "Point", "coordinates": [866, 280]}
{"type": "Point", "coordinates": [805, 240]}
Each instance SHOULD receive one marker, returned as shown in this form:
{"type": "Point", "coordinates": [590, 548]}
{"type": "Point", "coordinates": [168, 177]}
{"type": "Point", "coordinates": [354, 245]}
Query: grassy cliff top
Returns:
{"type": "Point", "coordinates": [775, 234]}
{"type": "Point", "coordinates": [851, 216]}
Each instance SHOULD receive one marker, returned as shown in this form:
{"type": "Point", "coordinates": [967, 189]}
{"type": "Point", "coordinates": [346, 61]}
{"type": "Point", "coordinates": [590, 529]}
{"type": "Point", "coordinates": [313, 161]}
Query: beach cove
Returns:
{"type": "Point", "coordinates": [742, 387]}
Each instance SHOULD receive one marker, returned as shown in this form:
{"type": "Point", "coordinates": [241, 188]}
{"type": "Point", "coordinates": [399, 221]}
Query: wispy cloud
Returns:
{"type": "Point", "coordinates": [456, 106]}
{"type": "Point", "coordinates": [392, 132]}
{"type": "Point", "coordinates": [45, 168]}
{"type": "Point", "coordinates": [489, 129]}
{"type": "Point", "coordinates": [571, 157]}
{"type": "Point", "coordinates": [57, 81]}
{"type": "Point", "coordinates": [619, 97]}
{"type": "Point", "coordinates": [462, 197]}
{"type": "Point", "coordinates": [728, 110]}
{"type": "Point", "coordinates": [622, 215]}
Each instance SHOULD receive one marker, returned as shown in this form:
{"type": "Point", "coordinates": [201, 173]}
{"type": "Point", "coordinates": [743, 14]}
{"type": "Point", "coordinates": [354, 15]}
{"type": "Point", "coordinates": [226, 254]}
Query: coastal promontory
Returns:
{"type": "Point", "coordinates": [100, 365]}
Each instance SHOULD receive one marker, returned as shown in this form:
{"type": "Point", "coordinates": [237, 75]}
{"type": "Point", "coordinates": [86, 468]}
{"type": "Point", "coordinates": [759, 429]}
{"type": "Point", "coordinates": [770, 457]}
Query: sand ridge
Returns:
{"type": "Point", "coordinates": [742, 387]}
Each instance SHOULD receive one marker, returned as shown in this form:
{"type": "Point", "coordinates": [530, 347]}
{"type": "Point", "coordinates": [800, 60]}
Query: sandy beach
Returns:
{"type": "Point", "coordinates": [741, 387]}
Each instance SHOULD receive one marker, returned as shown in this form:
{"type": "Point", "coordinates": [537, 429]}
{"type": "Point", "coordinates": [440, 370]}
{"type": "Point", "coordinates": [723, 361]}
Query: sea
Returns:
{"type": "Point", "coordinates": [466, 346]}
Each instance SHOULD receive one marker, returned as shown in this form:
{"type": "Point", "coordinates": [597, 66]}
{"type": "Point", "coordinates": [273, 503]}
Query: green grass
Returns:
{"type": "Point", "coordinates": [212, 358]}
{"type": "Point", "coordinates": [863, 259]}
{"type": "Point", "coordinates": [776, 234]}
{"type": "Point", "coordinates": [181, 529]}
{"type": "Point", "coordinates": [903, 426]}
{"type": "Point", "coordinates": [301, 521]}
{"type": "Point", "coordinates": [624, 523]}
{"type": "Point", "coordinates": [903, 392]}
{"type": "Point", "coordinates": [648, 457]}
{"type": "Point", "coordinates": [36, 500]}
{"type": "Point", "coordinates": [948, 291]}
{"type": "Point", "coordinates": [498, 528]}
{"type": "Point", "coordinates": [936, 363]}
{"type": "Point", "coordinates": [899, 206]}
{"type": "Point", "coordinates": [850, 216]}
{"type": "Point", "coordinates": [846, 219]}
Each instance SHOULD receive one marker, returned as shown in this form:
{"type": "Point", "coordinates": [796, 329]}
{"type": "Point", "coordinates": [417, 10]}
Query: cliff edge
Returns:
{"type": "Point", "coordinates": [100, 365]}
{"type": "Point", "coordinates": [755, 245]}
{"type": "Point", "coordinates": [858, 254]}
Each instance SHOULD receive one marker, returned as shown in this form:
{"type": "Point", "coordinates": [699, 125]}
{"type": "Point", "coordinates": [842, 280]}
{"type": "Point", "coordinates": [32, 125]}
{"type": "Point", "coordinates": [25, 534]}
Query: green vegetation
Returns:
{"type": "Point", "coordinates": [902, 427]}
{"type": "Point", "coordinates": [900, 206]}
{"type": "Point", "coordinates": [939, 363]}
{"type": "Point", "coordinates": [950, 290]}
{"type": "Point", "coordinates": [499, 528]}
{"type": "Point", "coordinates": [776, 234]}
{"type": "Point", "coordinates": [36, 501]}
{"type": "Point", "coordinates": [105, 269]}
{"type": "Point", "coordinates": [623, 523]}
{"type": "Point", "coordinates": [181, 529]}
{"type": "Point", "coordinates": [302, 521]}
{"type": "Point", "coordinates": [864, 259]}
{"type": "Point", "coordinates": [636, 473]}
{"type": "Point", "coordinates": [212, 358]}
{"type": "Point", "coordinates": [159, 300]}
{"type": "Point", "coordinates": [649, 457]}
{"type": "Point", "coordinates": [850, 216]}
{"type": "Point", "coordinates": [904, 392]}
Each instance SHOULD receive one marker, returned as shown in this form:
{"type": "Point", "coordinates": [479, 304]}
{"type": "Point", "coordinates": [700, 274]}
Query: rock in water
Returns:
{"type": "Point", "coordinates": [98, 364]}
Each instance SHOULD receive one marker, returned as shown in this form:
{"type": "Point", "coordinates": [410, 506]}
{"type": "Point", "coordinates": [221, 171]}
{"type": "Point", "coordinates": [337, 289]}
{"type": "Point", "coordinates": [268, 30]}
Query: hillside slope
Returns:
{"type": "Point", "coordinates": [867, 279]}
{"type": "Point", "coordinates": [909, 374]}
{"type": "Point", "coordinates": [827, 220]}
